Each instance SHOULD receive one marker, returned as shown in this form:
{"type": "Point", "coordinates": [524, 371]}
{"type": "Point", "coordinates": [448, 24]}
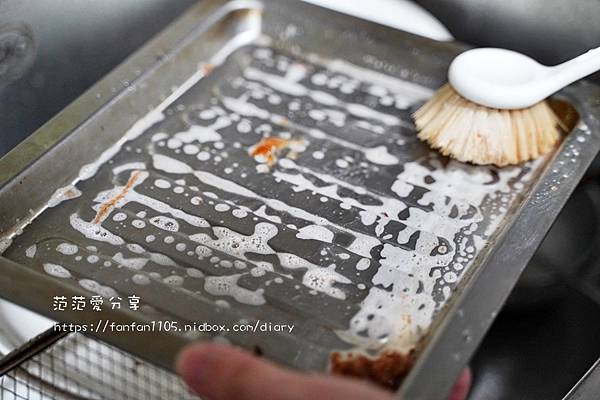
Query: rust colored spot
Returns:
{"type": "Point", "coordinates": [106, 207]}
{"type": "Point", "coordinates": [388, 369]}
{"type": "Point", "coordinates": [70, 194]}
{"type": "Point", "coordinates": [268, 148]}
{"type": "Point", "coordinates": [207, 68]}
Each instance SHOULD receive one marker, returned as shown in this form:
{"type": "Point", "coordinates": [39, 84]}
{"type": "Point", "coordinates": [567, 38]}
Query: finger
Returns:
{"type": "Point", "coordinates": [462, 385]}
{"type": "Point", "coordinates": [220, 372]}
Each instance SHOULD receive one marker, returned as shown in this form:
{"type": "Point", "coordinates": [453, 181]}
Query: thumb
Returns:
{"type": "Point", "coordinates": [220, 372]}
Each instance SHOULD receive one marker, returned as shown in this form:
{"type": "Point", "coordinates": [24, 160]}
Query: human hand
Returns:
{"type": "Point", "coordinates": [220, 372]}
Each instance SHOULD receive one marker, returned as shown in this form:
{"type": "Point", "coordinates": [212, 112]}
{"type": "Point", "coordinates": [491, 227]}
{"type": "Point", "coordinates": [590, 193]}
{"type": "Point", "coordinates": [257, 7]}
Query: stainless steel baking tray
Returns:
{"type": "Point", "coordinates": [257, 162]}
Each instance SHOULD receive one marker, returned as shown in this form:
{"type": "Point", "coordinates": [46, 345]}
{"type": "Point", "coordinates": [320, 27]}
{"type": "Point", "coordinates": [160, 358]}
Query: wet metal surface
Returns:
{"type": "Point", "coordinates": [282, 184]}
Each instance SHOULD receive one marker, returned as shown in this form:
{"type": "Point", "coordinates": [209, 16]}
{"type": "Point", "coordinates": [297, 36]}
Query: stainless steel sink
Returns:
{"type": "Point", "coordinates": [51, 51]}
{"type": "Point", "coordinates": [545, 338]}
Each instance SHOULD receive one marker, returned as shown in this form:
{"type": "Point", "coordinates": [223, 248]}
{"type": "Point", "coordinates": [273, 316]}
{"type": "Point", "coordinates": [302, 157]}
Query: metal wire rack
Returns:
{"type": "Point", "coordinates": [78, 367]}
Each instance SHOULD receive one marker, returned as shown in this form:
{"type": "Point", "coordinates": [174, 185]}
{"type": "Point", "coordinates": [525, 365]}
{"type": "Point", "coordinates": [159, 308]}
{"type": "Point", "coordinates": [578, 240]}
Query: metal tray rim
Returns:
{"type": "Point", "coordinates": [446, 336]}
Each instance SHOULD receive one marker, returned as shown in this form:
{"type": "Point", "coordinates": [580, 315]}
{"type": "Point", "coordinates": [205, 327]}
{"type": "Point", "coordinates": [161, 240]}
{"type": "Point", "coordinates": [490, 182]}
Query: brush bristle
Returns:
{"type": "Point", "coordinates": [469, 132]}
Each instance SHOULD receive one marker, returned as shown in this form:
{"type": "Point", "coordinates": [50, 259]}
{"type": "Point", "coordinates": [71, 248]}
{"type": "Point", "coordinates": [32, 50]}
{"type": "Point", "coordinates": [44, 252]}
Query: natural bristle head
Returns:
{"type": "Point", "coordinates": [472, 133]}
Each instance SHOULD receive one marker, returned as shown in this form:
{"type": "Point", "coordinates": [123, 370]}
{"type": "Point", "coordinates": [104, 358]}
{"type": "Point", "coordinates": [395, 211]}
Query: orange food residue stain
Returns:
{"type": "Point", "coordinates": [70, 194]}
{"type": "Point", "coordinates": [269, 147]}
{"type": "Point", "coordinates": [207, 68]}
{"type": "Point", "coordinates": [106, 207]}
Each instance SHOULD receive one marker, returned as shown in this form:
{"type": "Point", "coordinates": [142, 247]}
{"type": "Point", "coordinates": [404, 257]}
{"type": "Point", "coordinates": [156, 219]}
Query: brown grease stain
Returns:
{"type": "Point", "coordinates": [388, 370]}
{"type": "Point", "coordinates": [105, 207]}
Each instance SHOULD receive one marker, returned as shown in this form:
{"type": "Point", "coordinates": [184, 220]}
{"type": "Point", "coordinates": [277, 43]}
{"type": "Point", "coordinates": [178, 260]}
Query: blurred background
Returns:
{"type": "Point", "coordinates": [546, 336]}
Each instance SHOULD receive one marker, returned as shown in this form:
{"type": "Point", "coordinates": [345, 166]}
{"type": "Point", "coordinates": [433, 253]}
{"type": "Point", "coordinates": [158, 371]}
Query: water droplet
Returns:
{"type": "Point", "coordinates": [466, 336]}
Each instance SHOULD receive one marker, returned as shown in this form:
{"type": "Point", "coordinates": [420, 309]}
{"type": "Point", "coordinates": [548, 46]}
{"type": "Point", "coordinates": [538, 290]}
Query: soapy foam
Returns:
{"type": "Point", "coordinates": [68, 192]}
{"type": "Point", "coordinates": [95, 287]}
{"type": "Point", "coordinates": [56, 270]}
{"type": "Point", "coordinates": [67, 249]}
{"type": "Point", "coordinates": [228, 286]}
{"type": "Point", "coordinates": [131, 263]}
{"type": "Point", "coordinates": [30, 251]}
{"type": "Point", "coordinates": [94, 232]}
{"type": "Point", "coordinates": [315, 232]}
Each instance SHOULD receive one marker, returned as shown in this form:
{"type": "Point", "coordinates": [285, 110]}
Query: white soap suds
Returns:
{"type": "Point", "coordinates": [30, 251]}
{"type": "Point", "coordinates": [165, 223]}
{"type": "Point", "coordinates": [67, 249]}
{"type": "Point", "coordinates": [140, 279]}
{"type": "Point", "coordinates": [315, 232]}
{"type": "Point", "coordinates": [131, 263]}
{"type": "Point", "coordinates": [228, 286]}
{"type": "Point", "coordinates": [56, 270]}
{"type": "Point", "coordinates": [162, 184]}
{"type": "Point", "coordinates": [62, 194]}
{"type": "Point", "coordinates": [95, 287]}
{"type": "Point", "coordinates": [170, 165]}
{"type": "Point", "coordinates": [129, 166]}
{"type": "Point", "coordinates": [94, 231]}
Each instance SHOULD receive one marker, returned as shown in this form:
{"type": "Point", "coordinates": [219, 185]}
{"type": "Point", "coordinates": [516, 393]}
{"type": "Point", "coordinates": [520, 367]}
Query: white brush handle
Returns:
{"type": "Point", "coordinates": [505, 79]}
{"type": "Point", "coordinates": [570, 71]}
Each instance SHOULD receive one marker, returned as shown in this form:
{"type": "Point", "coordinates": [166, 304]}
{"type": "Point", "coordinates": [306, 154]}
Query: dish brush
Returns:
{"type": "Point", "coordinates": [493, 110]}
